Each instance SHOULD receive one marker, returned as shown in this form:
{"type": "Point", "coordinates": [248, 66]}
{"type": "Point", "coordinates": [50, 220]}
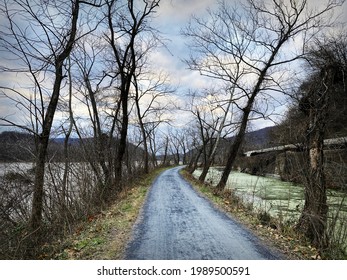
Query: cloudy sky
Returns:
{"type": "Point", "coordinates": [172, 16]}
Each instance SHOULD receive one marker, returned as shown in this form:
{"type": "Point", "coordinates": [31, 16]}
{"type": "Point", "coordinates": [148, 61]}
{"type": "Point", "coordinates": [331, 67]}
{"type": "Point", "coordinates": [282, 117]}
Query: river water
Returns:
{"type": "Point", "coordinates": [280, 199]}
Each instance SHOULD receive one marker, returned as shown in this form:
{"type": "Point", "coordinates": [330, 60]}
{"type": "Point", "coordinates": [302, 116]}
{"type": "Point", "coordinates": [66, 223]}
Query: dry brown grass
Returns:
{"type": "Point", "coordinates": [105, 235]}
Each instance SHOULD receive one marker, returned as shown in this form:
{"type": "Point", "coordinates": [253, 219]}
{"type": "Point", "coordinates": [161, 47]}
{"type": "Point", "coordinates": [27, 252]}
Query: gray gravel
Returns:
{"type": "Point", "coordinates": [177, 224]}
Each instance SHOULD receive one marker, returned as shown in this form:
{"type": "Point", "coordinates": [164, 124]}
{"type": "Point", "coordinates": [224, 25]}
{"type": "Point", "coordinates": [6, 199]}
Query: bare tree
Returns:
{"type": "Point", "coordinates": [40, 36]}
{"type": "Point", "coordinates": [328, 62]}
{"type": "Point", "coordinates": [245, 48]}
{"type": "Point", "coordinates": [127, 23]}
{"type": "Point", "coordinates": [195, 152]}
{"type": "Point", "coordinates": [174, 145]}
{"type": "Point", "coordinates": [208, 128]}
{"type": "Point", "coordinates": [213, 119]}
{"type": "Point", "coordinates": [165, 146]}
{"type": "Point", "coordinates": [93, 82]}
{"type": "Point", "coordinates": [149, 97]}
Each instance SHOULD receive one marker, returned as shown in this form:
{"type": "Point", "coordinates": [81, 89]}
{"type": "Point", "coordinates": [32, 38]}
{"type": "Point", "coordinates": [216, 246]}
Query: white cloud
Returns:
{"type": "Point", "coordinates": [179, 11]}
{"type": "Point", "coordinates": [171, 17]}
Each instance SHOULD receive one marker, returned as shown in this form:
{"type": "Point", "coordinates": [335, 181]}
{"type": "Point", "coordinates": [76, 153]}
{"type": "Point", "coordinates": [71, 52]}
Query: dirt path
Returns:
{"type": "Point", "coordinates": [177, 223]}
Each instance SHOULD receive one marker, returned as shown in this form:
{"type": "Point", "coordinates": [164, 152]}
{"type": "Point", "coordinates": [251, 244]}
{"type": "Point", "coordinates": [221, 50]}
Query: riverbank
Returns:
{"type": "Point", "coordinates": [104, 235]}
{"type": "Point", "coordinates": [273, 231]}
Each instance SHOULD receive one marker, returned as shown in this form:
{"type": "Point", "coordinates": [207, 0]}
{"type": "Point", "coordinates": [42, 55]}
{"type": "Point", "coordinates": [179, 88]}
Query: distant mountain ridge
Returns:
{"type": "Point", "coordinates": [20, 147]}
{"type": "Point", "coordinates": [259, 138]}
{"type": "Point", "coordinates": [16, 146]}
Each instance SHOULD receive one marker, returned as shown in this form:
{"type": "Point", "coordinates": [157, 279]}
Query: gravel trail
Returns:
{"type": "Point", "coordinates": [176, 223]}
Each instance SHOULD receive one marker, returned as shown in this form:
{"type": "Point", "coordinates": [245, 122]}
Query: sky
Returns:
{"type": "Point", "coordinates": [171, 17]}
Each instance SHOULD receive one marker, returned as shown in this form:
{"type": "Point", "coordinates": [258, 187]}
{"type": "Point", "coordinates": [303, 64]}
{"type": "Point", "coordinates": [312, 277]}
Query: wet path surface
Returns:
{"type": "Point", "coordinates": [177, 223]}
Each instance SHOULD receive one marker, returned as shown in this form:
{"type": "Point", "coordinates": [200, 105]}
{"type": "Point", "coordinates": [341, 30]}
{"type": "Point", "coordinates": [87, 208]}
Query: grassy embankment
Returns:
{"type": "Point", "coordinates": [105, 235]}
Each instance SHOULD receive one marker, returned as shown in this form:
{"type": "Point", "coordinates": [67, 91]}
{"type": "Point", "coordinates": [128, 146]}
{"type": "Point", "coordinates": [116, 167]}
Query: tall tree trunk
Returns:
{"type": "Point", "coordinates": [165, 151]}
{"type": "Point", "coordinates": [208, 159]}
{"type": "Point", "coordinates": [313, 220]}
{"type": "Point", "coordinates": [146, 156]}
{"type": "Point", "coordinates": [37, 202]}
{"type": "Point", "coordinates": [99, 138]}
{"type": "Point", "coordinates": [235, 146]}
{"type": "Point", "coordinates": [245, 116]}
{"type": "Point", "coordinates": [196, 161]}
{"type": "Point", "coordinates": [142, 127]}
{"type": "Point", "coordinates": [216, 143]}
{"type": "Point", "coordinates": [36, 213]}
{"type": "Point", "coordinates": [125, 89]}
{"type": "Point", "coordinates": [36, 210]}
{"type": "Point", "coordinates": [152, 147]}
{"type": "Point", "coordinates": [64, 192]}
{"type": "Point", "coordinates": [122, 145]}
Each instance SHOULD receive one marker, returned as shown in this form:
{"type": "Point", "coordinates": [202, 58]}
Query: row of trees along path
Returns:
{"type": "Point", "coordinates": [244, 48]}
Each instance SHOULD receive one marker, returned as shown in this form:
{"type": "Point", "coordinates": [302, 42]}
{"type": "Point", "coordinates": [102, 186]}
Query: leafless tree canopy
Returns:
{"type": "Point", "coordinates": [81, 70]}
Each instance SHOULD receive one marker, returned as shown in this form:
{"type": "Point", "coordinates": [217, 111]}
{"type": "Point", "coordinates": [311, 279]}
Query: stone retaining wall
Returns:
{"type": "Point", "coordinates": [290, 166]}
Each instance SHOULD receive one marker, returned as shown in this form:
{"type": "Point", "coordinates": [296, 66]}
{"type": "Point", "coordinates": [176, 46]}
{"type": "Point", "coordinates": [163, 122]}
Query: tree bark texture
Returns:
{"type": "Point", "coordinates": [313, 219]}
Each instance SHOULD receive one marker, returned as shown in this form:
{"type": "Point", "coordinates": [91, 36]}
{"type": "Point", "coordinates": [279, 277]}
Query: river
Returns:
{"type": "Point", "coordinates": [280, 199]}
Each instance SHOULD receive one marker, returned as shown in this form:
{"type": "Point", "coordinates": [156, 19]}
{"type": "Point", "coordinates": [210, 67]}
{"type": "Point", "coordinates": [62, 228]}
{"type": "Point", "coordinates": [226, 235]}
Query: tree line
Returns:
{"type": "Point", "coordinates": [258, 53]}
{"type": "Point", "coordinates": [91, 53]}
